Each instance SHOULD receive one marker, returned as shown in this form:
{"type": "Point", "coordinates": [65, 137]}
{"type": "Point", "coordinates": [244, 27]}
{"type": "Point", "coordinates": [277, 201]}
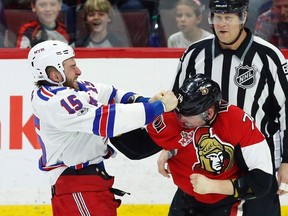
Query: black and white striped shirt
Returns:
{"type": "Point", "coordinates": [253, 77]}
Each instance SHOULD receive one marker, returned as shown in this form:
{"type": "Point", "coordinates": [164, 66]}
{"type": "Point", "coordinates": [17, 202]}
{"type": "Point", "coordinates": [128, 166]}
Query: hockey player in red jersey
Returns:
{"type": "Point", "coordinates": [215, 153]}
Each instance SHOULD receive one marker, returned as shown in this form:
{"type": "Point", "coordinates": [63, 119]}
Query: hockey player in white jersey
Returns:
{"type": "Point", "coordinates": [74, 120]}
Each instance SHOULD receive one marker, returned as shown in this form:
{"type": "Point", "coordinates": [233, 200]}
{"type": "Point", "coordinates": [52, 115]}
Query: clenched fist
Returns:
{"type": "Point", "coordinates": [158, 96]}
{"type": "Point", "coordinates": [204, 185]}
{"type": "Point", "coordinates": [201, 184]}
{"type": "Point", "coordinates": [169, 100]}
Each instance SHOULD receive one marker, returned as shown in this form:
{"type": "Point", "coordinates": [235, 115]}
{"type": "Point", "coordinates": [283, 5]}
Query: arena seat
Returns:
{"type": "Point", "coordinates": [137, 23]}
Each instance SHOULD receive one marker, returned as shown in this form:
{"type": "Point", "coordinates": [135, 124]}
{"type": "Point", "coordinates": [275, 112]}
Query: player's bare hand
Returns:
{"type": "Point", "coordinates": [163, 167]}
{"type": "Point", "coordinates": [158, 96]}
{"type": "Point", "coordinates": [283, 179]}
{"type": "Point", "coordinates": [170, 101]}
{"type": "Point", "coordinates": [201, 184]}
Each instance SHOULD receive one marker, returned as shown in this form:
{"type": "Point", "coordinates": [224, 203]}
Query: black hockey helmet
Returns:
{"type": "Point", "coordinates": [197, 94]}
{"type": "Point", "coordinates": [228, 6]}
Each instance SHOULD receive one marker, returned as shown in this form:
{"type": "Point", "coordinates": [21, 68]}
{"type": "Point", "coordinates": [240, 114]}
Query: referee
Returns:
{"type": "Point", "coordinates": [253, 75]}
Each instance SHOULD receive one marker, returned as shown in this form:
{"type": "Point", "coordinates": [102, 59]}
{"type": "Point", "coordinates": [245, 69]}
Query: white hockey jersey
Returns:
{"type": "Point", "coordinates": [73, 126]}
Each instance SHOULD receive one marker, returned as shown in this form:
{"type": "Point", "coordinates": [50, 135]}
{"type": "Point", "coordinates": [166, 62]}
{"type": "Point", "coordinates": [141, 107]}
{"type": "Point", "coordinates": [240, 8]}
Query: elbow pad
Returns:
{"type": "Point", "coordinates": [242, 190]}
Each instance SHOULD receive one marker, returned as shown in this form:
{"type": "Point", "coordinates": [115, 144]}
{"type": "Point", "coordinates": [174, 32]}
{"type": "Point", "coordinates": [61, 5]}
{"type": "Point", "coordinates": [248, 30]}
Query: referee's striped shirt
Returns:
{"type": "Point", "coordinates": [254, 77]}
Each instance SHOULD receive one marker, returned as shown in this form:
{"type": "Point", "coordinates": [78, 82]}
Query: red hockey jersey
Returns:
{"type": "Point", "coordinates": [227, 149]}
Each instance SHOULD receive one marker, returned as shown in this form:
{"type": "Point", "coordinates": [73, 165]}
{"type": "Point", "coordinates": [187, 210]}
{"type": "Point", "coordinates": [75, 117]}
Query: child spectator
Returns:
{"type": "Point", "coordinates": [45, 26]}
{"type": "Point", "coordinates": [188, 17]}
{"type": "Point", "coordinates": [272, 25]}
{"type": "Point", "coordinates": [97, 15]}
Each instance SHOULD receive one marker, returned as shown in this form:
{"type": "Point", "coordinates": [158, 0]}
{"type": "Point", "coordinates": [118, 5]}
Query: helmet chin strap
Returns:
{"type": "Point", "coordinates": [57, 83]}
{"type": "Point", "coordinates": [64, 79]}
{"type": "Point", "coordinates": [205, 117]}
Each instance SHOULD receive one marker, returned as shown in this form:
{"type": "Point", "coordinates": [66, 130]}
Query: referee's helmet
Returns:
{"type": "Point", "coordinates": [228, 6]}
{"type": "Point", "coordinates": [197, 94]}
{"type": "Point", "coordinates": [49, 53]}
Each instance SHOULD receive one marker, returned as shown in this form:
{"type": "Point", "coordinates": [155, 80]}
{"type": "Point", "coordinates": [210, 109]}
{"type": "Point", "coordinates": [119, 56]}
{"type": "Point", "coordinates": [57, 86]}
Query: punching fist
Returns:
{"type": "Point", "coordinates": [203, 185]}
{"type": "Point", "coordinates": [158, 96]}
{"type": "Point", "coordinates": [169, 100]}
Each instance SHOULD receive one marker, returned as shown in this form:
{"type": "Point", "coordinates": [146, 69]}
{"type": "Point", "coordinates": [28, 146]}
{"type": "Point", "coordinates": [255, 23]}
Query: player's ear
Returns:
{"type": "Point", "coordinates": [211, 112]}
{"type": "Point", "coordinates": [244, 16]}
{"type": "Point", "coordinates": [55, 75]}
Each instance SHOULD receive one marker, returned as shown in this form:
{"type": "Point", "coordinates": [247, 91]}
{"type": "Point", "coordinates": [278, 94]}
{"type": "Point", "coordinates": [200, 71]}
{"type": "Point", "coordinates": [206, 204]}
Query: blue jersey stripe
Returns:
{"type": "Point", "coordinates": [113, 94]}
{"type": "Point", "coordinates": [111, 120]}
{"type": "Point", "coordinates": [96, 122]}
{"type": "Point", "coordinates": [40, 95]}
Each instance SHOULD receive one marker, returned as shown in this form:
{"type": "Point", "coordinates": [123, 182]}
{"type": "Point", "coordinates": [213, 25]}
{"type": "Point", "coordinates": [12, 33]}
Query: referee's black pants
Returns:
{"type": "Point", "coordinates": [269, 204]}
{"type": "Point", "coordinates": [185, 205]}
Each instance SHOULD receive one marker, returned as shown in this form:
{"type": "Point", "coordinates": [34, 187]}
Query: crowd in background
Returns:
{"type": "Point", "coordinates": [77, 23]}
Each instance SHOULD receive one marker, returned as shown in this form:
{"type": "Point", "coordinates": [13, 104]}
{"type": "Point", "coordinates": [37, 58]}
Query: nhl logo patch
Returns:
{"type": "Point", "coordinates": [245, 76]}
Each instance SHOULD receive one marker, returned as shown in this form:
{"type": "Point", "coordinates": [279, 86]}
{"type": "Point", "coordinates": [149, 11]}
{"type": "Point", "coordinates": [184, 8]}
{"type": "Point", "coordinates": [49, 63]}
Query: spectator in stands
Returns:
{"type": "Point", "coordinates": [188, 17]}
{"type": "Point", "coordinates": [45, 27]}
{"type": "Point", "coordinates": [3, 27]}
{"type": "Point", "coordinates": [97, 15]}
{"type": "Point", "coordinates": [272, 25]}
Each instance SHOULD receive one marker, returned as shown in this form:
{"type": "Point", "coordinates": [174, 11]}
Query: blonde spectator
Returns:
{"type": "Point", "coordinates": [97, 16]}
{"type": "Point", "coordinates": [45, 26]}
{"type": "Point", "coordinates": [188, 17]}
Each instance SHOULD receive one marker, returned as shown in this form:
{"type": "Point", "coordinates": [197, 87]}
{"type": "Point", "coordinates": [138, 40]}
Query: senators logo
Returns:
{"type": "Point", "coordinates": [245, 76]}
{"type": "Point", "coordinates": [214, 156]}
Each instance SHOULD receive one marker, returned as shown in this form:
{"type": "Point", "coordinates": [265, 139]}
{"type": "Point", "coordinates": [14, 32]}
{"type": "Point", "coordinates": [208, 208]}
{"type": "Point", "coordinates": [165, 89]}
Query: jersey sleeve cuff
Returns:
{"type": "Point", "coordinates": [153, 110]}
{"type": "Point", "coordinates": [141, 99]}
